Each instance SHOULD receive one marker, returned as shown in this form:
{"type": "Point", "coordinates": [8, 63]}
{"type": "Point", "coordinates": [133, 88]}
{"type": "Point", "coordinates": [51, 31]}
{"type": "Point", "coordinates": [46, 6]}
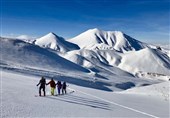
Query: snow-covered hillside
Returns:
{"type": "Point", "coordinates": [55, 42]}
{"type": "Point", "coordinates": [98, 39]}
{"type": "Point", "coordinates": [134, 62]}
{"type": "Point", "coordinates": [160, 90]}
{"type": "Point", "coordinates": [21, 54]}
{"type": "Point", "coordinates": [146, 60]}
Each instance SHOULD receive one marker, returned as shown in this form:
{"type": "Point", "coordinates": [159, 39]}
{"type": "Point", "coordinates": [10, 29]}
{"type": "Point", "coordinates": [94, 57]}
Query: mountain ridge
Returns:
{"type": "Point", "coordinates": [106, 51]}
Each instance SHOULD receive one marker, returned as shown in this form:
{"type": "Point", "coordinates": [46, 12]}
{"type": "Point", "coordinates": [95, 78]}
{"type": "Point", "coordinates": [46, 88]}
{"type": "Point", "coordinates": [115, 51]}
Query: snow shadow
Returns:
{"type": "Point", "coordinates": [125, 85]}
{"type": "Point", "coordinates": [94, 70]}
{"type": "Point", "coordinates": [101, 77]}
{"type": "Point", "coordinates": [133, 43]}
{"type": "Point", "coordinates": [74, 99]}
{"type": "Point", "coordinates": [77, 81]}
{"type": "Point", "coordinates": [85, 83]}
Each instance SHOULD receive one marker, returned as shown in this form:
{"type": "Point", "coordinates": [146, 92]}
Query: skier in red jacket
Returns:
{"type": "Point", "coordinates": [52, 85]}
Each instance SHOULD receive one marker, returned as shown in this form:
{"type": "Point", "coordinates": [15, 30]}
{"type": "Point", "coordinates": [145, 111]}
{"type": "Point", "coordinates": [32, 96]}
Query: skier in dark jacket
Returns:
{"type": "Point", "coordinates": [52, 85]}
{"type": "Point", "coordinates": [64, 88]}
{"type": "Point", "coordinates": [42, 83]}
{"type": "Point", "coordinates": [59, 87]}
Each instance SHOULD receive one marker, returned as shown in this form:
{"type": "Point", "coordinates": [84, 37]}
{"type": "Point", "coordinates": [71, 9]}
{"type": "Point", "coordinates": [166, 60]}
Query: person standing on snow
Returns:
{"type": "Point", "coordinates": [52, 85]}
{"type": "Point", "coordinates": [59, 87]}
{"type": "Point", "coordinates": [42, 83]}
{"type": "Point", "coordinates": [64, 88]}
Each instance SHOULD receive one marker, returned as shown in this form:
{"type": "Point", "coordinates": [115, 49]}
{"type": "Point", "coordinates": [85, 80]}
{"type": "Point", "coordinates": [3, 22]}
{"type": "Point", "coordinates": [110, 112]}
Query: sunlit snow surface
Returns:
{"type": "Point", "coordinates": [109, 75]}
{"type": "Point", "coordinates": [18, 100]}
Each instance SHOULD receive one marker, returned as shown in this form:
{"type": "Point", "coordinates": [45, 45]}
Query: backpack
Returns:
{"type": "Point", "coordinates": [53, 84]}
{"type": "Point", "coordinates": [43, 82]}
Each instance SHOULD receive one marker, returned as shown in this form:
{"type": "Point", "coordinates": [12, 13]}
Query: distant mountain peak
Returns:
{"type": "Point", "coordinates": [52, 41]}
{"type": "Point", "coordinates": [51, 33]}
{"type": "Point", "coordinates": [97, 30]}
{"type": "Point", "coordinates": [94, 29]}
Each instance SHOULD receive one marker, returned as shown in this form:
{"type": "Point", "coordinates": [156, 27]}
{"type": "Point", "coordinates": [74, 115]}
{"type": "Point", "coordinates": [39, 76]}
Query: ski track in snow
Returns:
{"type": "Point", "coordinates": [114, 103]}
{"type": "Point", "coordinates": [84, 102]}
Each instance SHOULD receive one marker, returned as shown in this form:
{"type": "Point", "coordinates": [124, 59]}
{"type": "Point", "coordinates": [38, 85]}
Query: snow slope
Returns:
{"type": "Point", "coordinates": [160, 90]}
{"type": "Point", "coordinates": [95, 38]}
{"type": "Point", "coordinates": [18, 100]}
{"type": "Point", "coordinates": [20, 54]}
{"type": "Point", "coordinates": [55, 42]}
{"type": "Point", "coordinates": [146, 60]}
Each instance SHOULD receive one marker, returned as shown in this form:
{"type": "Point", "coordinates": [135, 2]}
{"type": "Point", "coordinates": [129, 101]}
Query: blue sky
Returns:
{"type": "Point", "coordinates": [145, 20]}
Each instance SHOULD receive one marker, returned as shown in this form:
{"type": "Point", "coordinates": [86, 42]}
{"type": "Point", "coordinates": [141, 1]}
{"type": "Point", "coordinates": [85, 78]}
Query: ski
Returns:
{"type": "Point", "coordinates": [55, 95]}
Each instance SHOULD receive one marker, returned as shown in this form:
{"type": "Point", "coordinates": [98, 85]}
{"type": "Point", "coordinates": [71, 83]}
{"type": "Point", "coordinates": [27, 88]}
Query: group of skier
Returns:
{"type": "Point", "coordinates": [52, 84]}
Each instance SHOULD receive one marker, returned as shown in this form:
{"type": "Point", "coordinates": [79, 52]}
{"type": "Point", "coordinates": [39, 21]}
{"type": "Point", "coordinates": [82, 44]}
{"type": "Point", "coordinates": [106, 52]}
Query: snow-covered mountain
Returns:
{"type": "Point", "coordinates": [55, 42]}
{"type": "Point", "coordinates": [98, 39]}
{"type": "Point", "coordinates": [19, 56]}
{"type": "Point", "coordinates": [99, 51]}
